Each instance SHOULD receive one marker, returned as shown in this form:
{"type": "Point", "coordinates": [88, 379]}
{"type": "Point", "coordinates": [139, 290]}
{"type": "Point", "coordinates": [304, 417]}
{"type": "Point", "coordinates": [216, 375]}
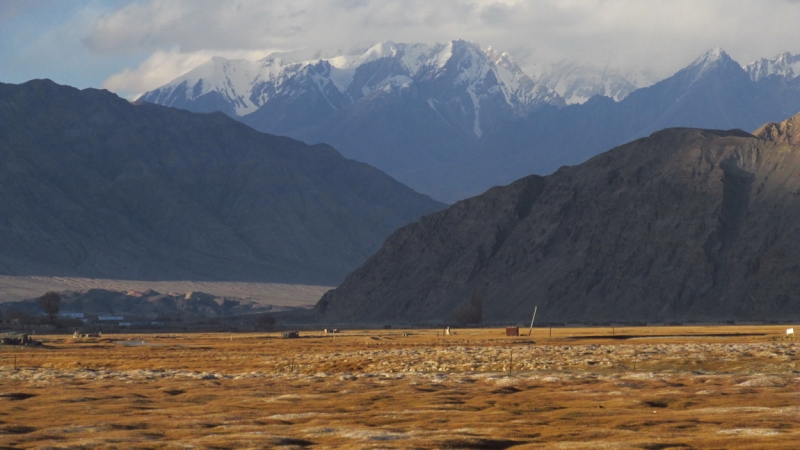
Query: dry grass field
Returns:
{"type": "Point", "coordinates": [670, 387]}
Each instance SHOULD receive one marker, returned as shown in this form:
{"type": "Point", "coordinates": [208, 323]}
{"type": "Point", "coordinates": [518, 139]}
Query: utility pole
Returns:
{"type": "Point", "coordinates": [534, 318]}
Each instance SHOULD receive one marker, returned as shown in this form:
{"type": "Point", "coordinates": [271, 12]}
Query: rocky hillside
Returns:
{"type": "Point", "coordinates": [686, 224]}
{"type": "Point", "coordinates": [147, 305]}
{"type": "Point", "coordinates": [94, 186]}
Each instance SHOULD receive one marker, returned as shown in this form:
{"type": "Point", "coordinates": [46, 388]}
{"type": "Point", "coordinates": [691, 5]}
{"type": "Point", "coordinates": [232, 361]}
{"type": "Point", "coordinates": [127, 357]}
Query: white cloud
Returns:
{"type": "Point", "coordinates": [163, 66]}
{"type": "Point", "coordinates": [658, 36]}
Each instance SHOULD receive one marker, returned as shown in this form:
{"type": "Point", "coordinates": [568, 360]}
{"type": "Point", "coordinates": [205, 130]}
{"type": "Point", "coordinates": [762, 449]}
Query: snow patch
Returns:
{"type": "Point", "coordinates": [707, 62]}
{"type": "Point", "coordinates": [341, 78]}
{"type": "Point", "coordinates": [444, 55]}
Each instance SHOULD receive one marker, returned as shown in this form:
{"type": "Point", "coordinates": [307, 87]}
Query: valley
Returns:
{"type": "Point", "coordinates": [246, 225]}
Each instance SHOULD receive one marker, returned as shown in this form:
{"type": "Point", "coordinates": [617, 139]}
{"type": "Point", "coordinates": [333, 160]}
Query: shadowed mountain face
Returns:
{"type": "Point", "coordinates": [686, 224]}
{"type": "Point", "coordinates": [93, 186]}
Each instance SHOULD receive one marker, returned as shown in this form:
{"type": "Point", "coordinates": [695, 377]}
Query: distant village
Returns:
{"type": "Point", "coordinates": [106, 310]}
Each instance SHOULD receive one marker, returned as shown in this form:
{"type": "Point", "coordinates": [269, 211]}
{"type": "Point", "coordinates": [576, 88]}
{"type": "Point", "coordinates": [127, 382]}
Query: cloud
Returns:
{"type": "Point", "coordinates": [42, 39]}
{"type": "Point", "coordinates": [659, 36]}
{"type": "Point", "coordinates": [163, 66]}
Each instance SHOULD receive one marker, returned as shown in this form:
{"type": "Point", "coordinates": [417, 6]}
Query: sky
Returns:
{"type": "Point", "coordinates": [131, 46]}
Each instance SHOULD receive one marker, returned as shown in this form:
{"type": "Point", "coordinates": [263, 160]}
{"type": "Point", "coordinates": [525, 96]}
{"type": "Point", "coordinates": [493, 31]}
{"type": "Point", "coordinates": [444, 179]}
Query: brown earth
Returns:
{"type": "Point", "coordinates": [669, 387]}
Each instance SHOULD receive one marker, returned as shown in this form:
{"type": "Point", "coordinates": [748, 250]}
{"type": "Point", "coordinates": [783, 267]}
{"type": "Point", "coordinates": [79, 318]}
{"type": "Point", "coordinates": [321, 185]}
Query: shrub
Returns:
{"type": "Point", "coordinates": [50, 303]}
{"type": "Point", "coordinates": [266, 321]}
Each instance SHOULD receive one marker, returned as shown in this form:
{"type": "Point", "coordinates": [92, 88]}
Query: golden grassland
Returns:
{"type": "Point", "coordinates": [671, 387]}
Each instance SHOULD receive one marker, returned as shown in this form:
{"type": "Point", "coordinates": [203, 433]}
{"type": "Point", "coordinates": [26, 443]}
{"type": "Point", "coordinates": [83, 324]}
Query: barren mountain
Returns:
{"type": "Point", "coordinates": [686, 224]}
{"type": "Point", "coordinates": [94, 186]}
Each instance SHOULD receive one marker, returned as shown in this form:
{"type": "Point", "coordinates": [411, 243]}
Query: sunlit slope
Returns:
{"type": "Point", "coordinates": [685, 224]}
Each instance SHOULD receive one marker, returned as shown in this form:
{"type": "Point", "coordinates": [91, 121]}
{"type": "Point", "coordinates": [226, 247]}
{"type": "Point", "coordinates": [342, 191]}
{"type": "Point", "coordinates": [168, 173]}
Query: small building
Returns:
{"type": "Point", "coordinates": [512, 331]}
{"type": "Point", "coordinates": [71, 315]}
{"type": "Point", "coordinates": [110, 318]}
{"type": "Point", "coordinates": [15, 339]}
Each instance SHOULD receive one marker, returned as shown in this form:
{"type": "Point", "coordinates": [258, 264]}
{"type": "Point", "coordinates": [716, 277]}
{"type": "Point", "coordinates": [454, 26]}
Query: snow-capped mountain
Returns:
{"type": "Point", "coordinates": [577, 83]}
{"type": "Point", "coordinates": [458, 72]}
{"type": "Point", "coordinates": [708, 62]}
{"type": "Point", "coordinates": [239, 87]}
{"type": "Point", "coordinates": [451, 120]}
{"type": "Point", "coordinates": [785, 65]}
{"type": "Point", "coordinates": [712, 92]}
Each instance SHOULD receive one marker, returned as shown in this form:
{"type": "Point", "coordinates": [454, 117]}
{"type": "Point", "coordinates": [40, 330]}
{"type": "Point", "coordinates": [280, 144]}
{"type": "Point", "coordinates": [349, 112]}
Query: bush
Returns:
{"type": "Point", "coordinates": [266, 321]}
{"type": "Point", "coordinates": [50, 303]}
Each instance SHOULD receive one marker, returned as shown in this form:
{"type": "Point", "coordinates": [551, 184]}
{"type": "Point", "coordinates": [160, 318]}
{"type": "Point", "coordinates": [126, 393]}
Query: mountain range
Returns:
{"type": "Point", "coordinates": [577, 83]}
{"type": "Point", "coordinates": [94, 186]}
{"type": "Point", "coordinates": [451, 120]}
{"type": "Point", "coordinates": [684, 225]}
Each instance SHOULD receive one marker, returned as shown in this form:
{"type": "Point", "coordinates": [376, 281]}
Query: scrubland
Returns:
{"type": "Point", "coordinates": [670, 387]}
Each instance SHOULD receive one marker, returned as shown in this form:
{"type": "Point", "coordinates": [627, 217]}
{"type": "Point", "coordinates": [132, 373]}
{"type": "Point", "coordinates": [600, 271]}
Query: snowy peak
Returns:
{"type": "Point", "coordinates": [386, 49]}
{"type": "Point", "coordinates": [577, 83]}
{"type": "Point", "coordinates": [232, 80]}
{"type": "Point", "coordinates": [486, 84]}
{"type": "Point", "coordinates": [714, 64]}
{"type": "Point", "coordinates": [710, 61]}
{"type": "Point", "coordinates": [502, 59]}
{"type": "Point", "coordinates": [784, 65]}
{"type": "Point", "coordinates": [715, 54]}
{"type": "Point", "coordinates": [463, 74]}
{"type": "Point", "coordinates": [240, 87]}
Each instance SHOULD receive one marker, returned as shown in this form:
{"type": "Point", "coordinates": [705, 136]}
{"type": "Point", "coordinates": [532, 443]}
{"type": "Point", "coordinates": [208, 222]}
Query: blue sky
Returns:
{"type": "Point", "coordinates": [131, 46]}
{"type": "Point", "coordinates": [42, 39]}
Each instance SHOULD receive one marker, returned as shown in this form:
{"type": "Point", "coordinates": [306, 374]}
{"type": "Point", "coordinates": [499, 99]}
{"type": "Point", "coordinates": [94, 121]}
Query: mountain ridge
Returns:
{"type": "Point", "coordinates": [685, 224]}
{"type": "Point", "coordinates": [96, 186]}
{"type": "Point", "coordinates": [452, 120]}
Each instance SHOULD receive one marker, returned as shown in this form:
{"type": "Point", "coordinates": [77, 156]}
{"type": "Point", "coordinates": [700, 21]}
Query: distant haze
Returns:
{"type": "Point", "coordinates": [130, 47]}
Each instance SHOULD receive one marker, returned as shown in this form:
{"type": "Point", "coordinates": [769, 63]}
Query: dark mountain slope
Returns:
{"type": "Point", "coordinates": [686, 224]}
{"type": "Point", "coordinates": [91, 185]}
{"type": "Point", "coordinates": [399, 129]}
